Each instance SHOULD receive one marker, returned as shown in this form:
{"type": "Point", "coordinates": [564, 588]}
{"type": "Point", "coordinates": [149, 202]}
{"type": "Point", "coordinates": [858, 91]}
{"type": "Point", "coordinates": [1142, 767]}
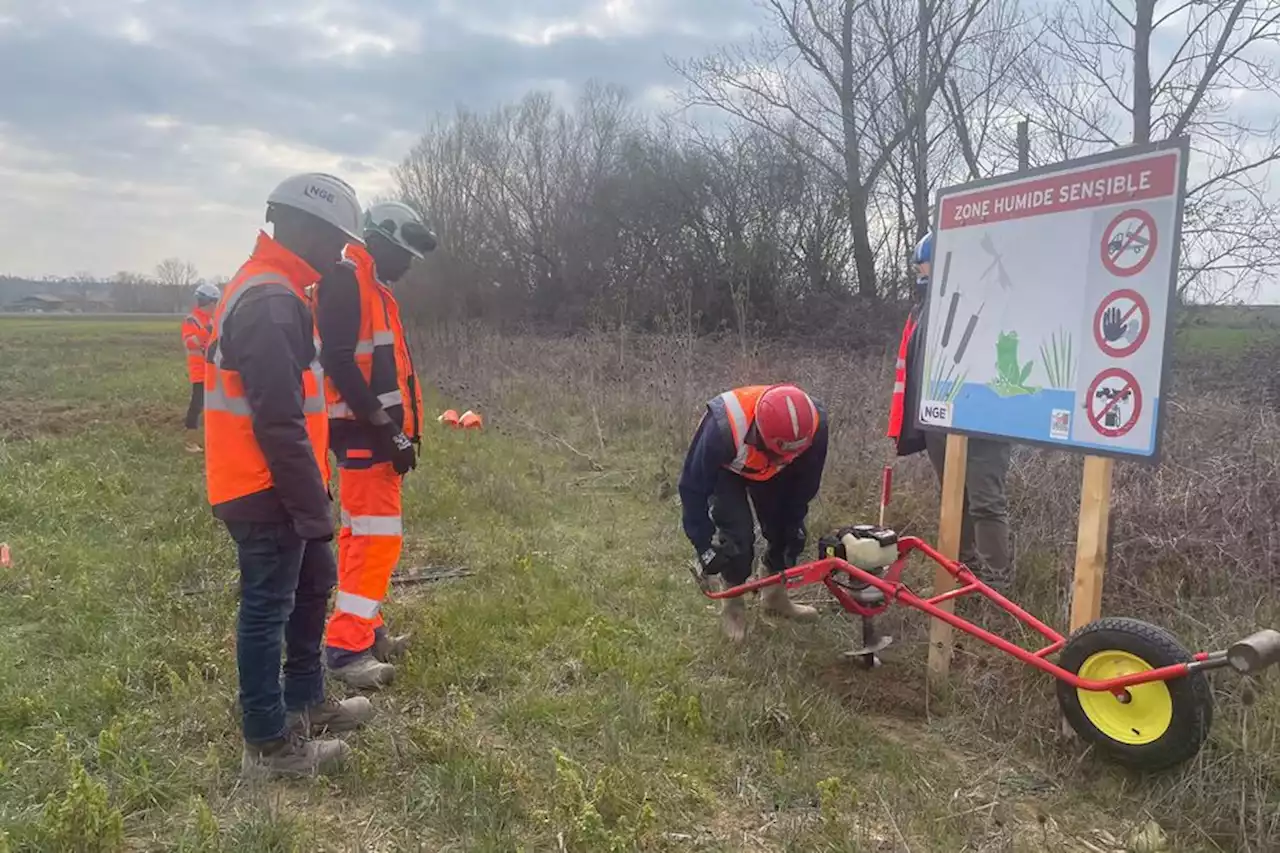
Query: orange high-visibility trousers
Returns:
{"type": "Point", "coordinates": [369, 546]}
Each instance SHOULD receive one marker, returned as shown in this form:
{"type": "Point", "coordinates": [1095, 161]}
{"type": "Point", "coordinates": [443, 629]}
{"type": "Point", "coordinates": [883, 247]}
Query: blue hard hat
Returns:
{"type": "Point", "coordinates": [924, 249]}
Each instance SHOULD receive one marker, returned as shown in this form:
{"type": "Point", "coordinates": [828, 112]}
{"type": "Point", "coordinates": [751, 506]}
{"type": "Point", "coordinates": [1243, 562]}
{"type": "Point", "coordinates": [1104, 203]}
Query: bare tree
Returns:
{"type": "Point", "coordinates": [1167, 68]}
{"type": "Point", "coordinates": [831, 68]}
{"type": "Point", "coordinates": [175, 272]}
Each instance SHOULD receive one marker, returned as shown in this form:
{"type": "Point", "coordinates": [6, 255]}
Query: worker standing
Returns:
{"type": "Point", "coordinates": [761, 446]}
{"type": "Point", "coordinates": [196, 329]}
{"type": "Point", "coordinates": [375, 423]}
{"type": "Point", "coordinates": [984, 532]}
{"type": "Point", "coordinates": [266, 441]}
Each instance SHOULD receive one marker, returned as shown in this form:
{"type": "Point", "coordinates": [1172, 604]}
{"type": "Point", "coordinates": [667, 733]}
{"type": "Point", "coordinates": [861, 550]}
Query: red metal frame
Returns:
{"type": "Point", "coordinates": [823, 571]}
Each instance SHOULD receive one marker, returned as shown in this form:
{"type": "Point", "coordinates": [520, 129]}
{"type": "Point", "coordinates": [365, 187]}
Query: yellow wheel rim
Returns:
{"type": "Point", "coordinates": [1147, 714]}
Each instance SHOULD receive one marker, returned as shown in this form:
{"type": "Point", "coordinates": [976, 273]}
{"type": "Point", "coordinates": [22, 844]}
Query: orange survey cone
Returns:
{"type": "Point", "coordinates": [470, 420]}
{"type": "Point", "coordinates": [449, 418]}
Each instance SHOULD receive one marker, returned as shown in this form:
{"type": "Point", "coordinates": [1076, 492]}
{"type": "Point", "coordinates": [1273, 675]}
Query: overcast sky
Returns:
{"type": "Point", "coordinates": [132, 130]}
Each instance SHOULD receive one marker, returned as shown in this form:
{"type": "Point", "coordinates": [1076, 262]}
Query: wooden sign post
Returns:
{"type": "Point", "coordinates": [950, 523]}
{"type": "Point", "coordinates": [1091, 541]}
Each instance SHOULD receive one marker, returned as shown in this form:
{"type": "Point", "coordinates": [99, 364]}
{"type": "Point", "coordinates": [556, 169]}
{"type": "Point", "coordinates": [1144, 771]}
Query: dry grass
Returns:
{"type": "Point", "coordinates": [573, 693]}
{"type": "Point", "coordinates": [1194, 539]}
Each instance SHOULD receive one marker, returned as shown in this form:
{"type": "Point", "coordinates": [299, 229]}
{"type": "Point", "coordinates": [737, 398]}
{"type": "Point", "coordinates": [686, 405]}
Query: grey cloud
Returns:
{"type": "Point", "coordinates": [83, 77]}
{"type": "Point", "coordinates": [73, 77]}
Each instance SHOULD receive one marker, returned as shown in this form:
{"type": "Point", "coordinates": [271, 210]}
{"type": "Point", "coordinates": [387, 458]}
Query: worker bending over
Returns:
{"type": "Point", "coordinates": [984, 532]}
{"type": "Point", "coordinates": [196, 329]}
{"type": "Point", "coordinates": [375, 423]}
{"type": "Point", "coordinates": [266, 463]}
{"type": "Point", "coordinates": [763, 447]}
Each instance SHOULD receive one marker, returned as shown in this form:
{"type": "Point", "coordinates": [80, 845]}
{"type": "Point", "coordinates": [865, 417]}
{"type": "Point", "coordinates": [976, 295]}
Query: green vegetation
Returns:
{"type": "Point", "coordinates": [572, 694]}
{"type": "Point", "coordinates": [1058, 360]}
{"type": "Point", "coordinates": [944, 383]}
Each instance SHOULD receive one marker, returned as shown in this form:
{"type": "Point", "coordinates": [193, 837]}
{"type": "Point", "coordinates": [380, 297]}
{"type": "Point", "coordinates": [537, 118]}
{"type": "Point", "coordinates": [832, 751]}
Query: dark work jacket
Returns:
{"type": "Point", "coordinates": [268, 340]}
{"type": "Point", "coordinates": [911, 440]}
{"type": "Point", "coordinates": [712, 448]}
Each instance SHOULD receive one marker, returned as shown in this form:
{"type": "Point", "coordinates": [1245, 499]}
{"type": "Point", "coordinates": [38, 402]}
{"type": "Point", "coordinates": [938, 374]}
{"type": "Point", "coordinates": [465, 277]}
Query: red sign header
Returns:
{"type": "Point", "coordinates": [1154, 176]}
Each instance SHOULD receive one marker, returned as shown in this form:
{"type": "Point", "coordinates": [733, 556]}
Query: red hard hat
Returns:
{"type": "Point", "coordinates": [786, 420]}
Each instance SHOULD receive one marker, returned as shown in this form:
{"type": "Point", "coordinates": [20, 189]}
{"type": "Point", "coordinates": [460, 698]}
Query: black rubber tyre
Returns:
{"type": "Point", "coordinates": [1190, 696]}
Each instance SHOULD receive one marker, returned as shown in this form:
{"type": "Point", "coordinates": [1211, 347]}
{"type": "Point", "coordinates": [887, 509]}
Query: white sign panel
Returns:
{"type": "Point", "coordinates": [1047, 318]}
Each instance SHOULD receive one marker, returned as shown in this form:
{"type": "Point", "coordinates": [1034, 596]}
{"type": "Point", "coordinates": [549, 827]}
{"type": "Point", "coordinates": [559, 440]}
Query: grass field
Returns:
{"type": "Point", "coordinates": [573, 693]}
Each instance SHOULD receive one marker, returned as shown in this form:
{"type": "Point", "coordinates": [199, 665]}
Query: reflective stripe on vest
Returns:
{"type": "Point", "coordinates": [898, 403]}
{"type": "Point", "coordinates": [219, 398]}
{"type": "Point", "coordinates": [376, 347]}
{"type": "Point", "coordinates": [235, 466]}
{"type": "Point", "coordinates": [735, 411]}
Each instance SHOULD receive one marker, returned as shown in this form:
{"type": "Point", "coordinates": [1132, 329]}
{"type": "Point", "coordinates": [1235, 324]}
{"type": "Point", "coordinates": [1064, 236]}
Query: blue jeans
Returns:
{"type": "Point", "coordinates": [285, 584]}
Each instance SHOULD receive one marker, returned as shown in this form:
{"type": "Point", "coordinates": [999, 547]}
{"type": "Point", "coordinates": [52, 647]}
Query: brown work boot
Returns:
{"type": "Point", "coordinates": [733, 619]}
{"type": "Point", "coordinates": [291, 756]}
{"type": "Point", "coordinates": [331, 716]}
{"type": "Point", "coordinates": [775, 600]}
{"type": "Point", "coordinates": [364, 672]}
{"type": "Point", "coordinates": [390, 649]}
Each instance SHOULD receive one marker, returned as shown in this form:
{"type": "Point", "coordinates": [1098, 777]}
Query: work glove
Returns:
{"type": "Point", "coordinates": [796, 540]}
{"type": "Point", "coordinates": [713, 561]}
{"type": "Point", "coordinates": [710, 562]}
{"type": "Point", "coordinates": [400, 448]}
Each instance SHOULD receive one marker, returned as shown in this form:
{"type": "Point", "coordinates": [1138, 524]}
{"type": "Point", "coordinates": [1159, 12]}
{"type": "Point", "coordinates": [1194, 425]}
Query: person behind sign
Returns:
{"type": "Point", "coordinates": [984, 534]}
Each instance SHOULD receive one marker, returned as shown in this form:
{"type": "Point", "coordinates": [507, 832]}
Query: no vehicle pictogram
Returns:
{"type": "Point", "coordinates": [1129, 242]}
{"type": "Point", "coordinates": [1113, 402]}
{"type": "Point", "coordinates": [1121, 323]}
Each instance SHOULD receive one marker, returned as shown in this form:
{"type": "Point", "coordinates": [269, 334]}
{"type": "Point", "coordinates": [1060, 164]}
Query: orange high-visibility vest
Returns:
{"type": "Point", "coordinates": [196, 329]}
{"type": "Point", "coordinates": [382, 351]}
{"type": "Point", "coordinates": [735, 412]}
{"type": "Point", "coordinates": [897, 405]}
{"type": "Point", "coordinates": [234, 464]}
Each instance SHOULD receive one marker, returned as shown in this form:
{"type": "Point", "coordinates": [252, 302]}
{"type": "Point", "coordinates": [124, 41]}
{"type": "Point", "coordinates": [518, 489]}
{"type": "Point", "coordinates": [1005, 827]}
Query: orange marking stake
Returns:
{"type": "Point", "coordinates": [449, 418]}
{"type": "Point", "coordinates": [470, 420]}
{"type": "Point", "coordinates": [5, 560]}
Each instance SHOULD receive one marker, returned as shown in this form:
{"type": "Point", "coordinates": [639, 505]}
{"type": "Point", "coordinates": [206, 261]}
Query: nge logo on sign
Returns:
{"type": "Point", "coordinates": [936, 413]}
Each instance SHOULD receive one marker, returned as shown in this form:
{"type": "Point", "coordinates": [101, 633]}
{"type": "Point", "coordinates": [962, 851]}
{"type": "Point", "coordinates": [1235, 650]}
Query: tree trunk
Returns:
{"type": "Point", "coordinates": [864, 257]}
{"type": "Point", "coordinates": [1142, 26]}
{"type": "Point", "coordinates": [921, 200]}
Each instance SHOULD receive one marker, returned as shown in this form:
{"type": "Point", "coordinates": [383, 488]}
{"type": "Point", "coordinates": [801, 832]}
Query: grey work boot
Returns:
{"type": "Point", "coordinates": [331, 716]}
{"type": "Point", "coordinates": [364, 672]}
{"type": "Point", "coordinates": [291, 756]}
{"type": "Point", "coordinates": [389, 649]}
{"type": "Point", "coordinates": [733, 619]}
{"type": "Point", "coordinates": [776, 601]}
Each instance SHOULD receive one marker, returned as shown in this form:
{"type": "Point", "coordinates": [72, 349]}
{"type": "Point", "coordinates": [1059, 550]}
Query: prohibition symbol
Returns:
{"type": "Point", "coordinates": [1129, 243]}
{"type": "Point", "coordinates": [1114, 402]}
{"type": "Point", "coordinates": [1121, 323]}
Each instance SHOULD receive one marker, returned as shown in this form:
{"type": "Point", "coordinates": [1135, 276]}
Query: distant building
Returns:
{"type": "Point", "coordinates": [37, 303]}
{"type": "Point", "coordinates": [90, 304]}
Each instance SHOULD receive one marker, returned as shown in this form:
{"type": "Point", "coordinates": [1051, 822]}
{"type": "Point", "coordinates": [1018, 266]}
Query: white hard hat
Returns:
{"type": "Point", "coordinates": [323, 196]}
{"type": "Point", "coordinates": [400, 224]}
{"type": "Point", "coordinates": [207, 290]}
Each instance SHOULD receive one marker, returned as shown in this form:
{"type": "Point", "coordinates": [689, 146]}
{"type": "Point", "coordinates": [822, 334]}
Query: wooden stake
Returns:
{"type": "Point", "coordinates": [1091, 548]}
{"type": "Point", "coordinates": [950, 523]}
{"type": "Point", "coordinates": [1091, 541]}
